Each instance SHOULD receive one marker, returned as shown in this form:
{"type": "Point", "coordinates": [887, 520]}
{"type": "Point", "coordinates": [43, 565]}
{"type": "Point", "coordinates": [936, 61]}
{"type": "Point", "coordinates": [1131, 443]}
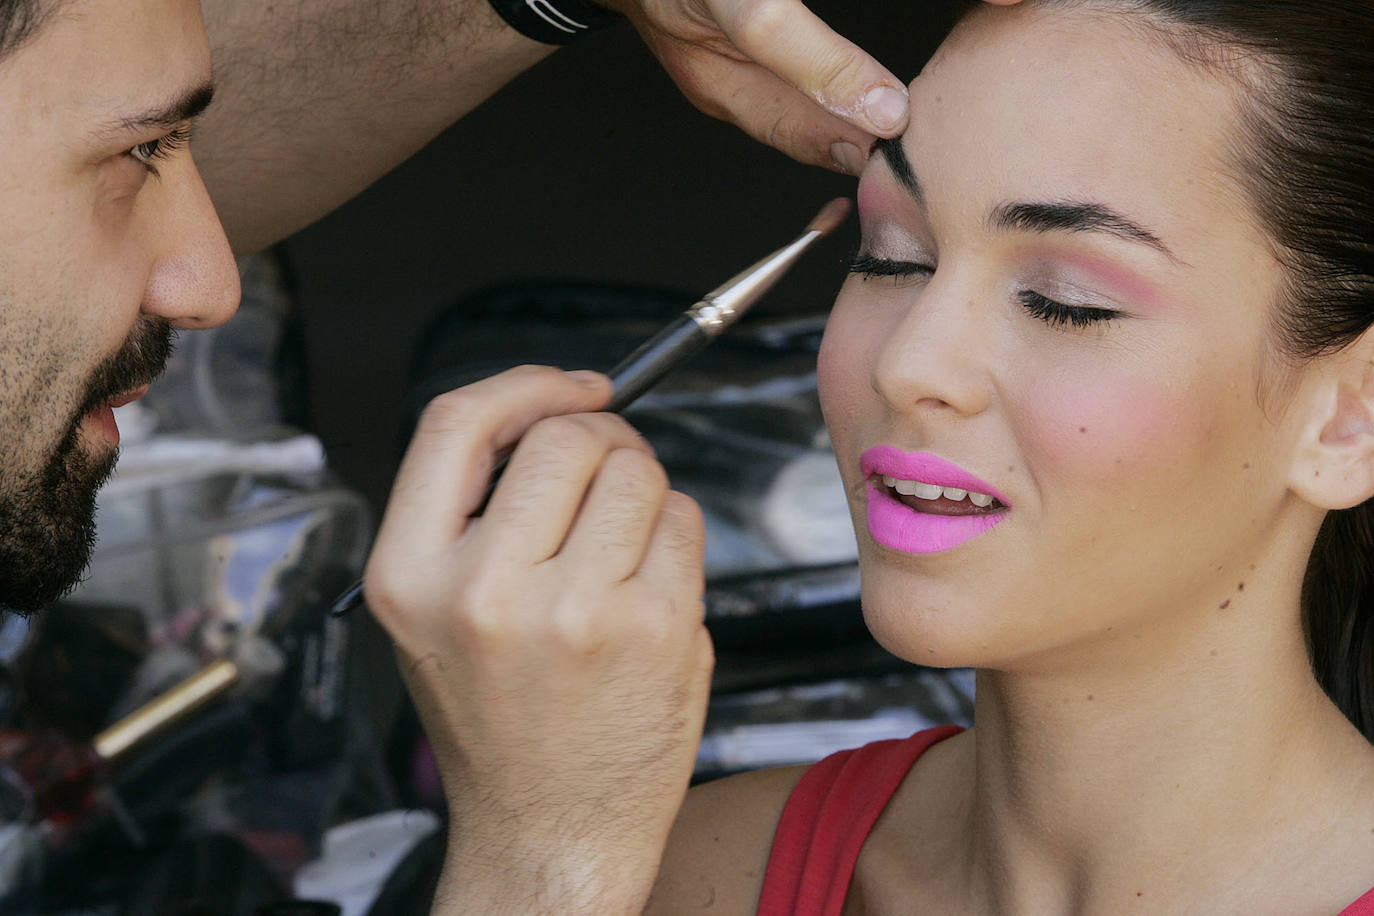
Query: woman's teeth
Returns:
{"type": "Point", "coordinates": [931, 491]}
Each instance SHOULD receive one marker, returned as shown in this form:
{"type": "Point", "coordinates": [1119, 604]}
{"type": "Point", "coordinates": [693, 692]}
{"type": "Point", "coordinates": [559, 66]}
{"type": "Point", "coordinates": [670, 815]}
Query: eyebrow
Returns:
{"type": "Point", "coordinates": [191, 103]}
{"type": "Point", "coordinates": [1057, 216]}
{"type": "Point", "coordinates": [1073, 216]}
{"type": "Point", "coordinates": [891, 148]}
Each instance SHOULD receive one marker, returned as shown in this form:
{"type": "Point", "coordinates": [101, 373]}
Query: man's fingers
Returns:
{"type": "Point", "coordinates": [772, 112]}
{"type": "Point", "coordinates": [544, 487]}
{"type": "Point", "coordinates": [674, 557]}
{"type": "Point", "coordinates": [617, 518]}
{"type": "Point", "coordinates": [791, 41]}
{"type": "Point", "coordinates": [445, 471]}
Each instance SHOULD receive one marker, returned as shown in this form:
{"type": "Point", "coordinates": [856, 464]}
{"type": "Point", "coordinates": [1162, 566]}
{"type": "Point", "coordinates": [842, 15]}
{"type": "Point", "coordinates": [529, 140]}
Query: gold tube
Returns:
{"type": "Point", "coordinates": [192, 693]}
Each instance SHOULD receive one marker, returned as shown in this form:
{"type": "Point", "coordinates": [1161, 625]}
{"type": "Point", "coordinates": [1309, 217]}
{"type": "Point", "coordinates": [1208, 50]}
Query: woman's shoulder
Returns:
{"type": "Point", "coordinates": [718, 850]}
{"type": "Point", "coordinates": [721, 843]}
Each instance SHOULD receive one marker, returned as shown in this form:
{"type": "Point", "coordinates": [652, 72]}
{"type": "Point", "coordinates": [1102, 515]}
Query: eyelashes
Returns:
{"type": "Point", "coordinates": [1061, 315]}
{"type": "Point", "coordinates": [870, 267]}
{"type": "Point", "coordinates": [153, 151]}
{"type": "Point", "coordinates": [1039, 306]}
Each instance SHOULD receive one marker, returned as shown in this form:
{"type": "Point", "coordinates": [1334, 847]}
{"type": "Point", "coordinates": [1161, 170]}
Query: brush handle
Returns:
{"type": "Point", "coordinates": [655, 358]}
{"type": "Point", "coordinates": [631, 377]}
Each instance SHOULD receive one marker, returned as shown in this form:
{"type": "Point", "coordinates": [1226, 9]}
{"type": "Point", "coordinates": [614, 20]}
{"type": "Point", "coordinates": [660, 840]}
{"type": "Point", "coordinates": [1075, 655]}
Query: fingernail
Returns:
{"type": "Point", "coordinates": [587, 377]}
{"type": "Point", "coordinates": [885, 107]}
{"type": "Point", "coordinates": [848, 157]}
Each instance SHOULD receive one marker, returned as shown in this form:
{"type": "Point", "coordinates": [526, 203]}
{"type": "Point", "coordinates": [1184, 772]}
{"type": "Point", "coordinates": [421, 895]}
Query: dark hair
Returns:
{"type": "Point", "coordinates": [1304, 155]}
{"type": "Point", "coordinates": [19, 20]}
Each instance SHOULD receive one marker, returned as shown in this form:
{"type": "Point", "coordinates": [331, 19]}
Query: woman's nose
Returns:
{"type": "Point", "coordinates": [937, 357]}
{"type": "Point", "coordinates": [194, 281]}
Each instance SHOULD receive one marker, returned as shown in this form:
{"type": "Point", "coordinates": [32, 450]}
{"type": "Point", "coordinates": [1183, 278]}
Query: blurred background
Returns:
{"type": "Point", "coordinates": [562, 222]}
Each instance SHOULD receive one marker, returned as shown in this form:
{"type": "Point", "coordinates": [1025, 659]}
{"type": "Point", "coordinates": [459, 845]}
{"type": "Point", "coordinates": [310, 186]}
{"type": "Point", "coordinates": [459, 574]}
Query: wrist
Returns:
{"type": "Point", "coordinates": [556, 22]}
{"type": "Point", "coordinates": [499, 878]}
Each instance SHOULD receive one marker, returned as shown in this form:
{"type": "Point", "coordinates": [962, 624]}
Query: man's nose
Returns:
{"type": "Point", "coordinates": [194, 282]}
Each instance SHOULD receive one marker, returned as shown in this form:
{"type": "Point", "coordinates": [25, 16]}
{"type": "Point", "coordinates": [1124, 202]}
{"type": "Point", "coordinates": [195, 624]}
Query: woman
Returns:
{"type": "Point", "coordinates": [1102, 393]}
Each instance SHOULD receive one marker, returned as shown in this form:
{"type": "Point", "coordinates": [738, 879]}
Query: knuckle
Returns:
{"type": "Point", "coordinates": [566, 433]}
{"type": "Point", "coordinates": [837, 72]}
{"type": "Point", "coordinates": [479, 612]}
{"type": "Point", "coordinates": [686, 518]}
{"type": "Point", "coordinates": [573, 630]}
{"type": "Point", "coordinates": [636, 470]}
{"type": "Point", "coordinates": [450, 411]}
{"type": "Point", "coordinates": [532, 372]}
{"type": "Point", "coordinates": [758, 23]}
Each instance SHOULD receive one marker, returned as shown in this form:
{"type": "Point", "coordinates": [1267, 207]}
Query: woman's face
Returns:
{"type": "Point", "coordinates": [1060, 292]}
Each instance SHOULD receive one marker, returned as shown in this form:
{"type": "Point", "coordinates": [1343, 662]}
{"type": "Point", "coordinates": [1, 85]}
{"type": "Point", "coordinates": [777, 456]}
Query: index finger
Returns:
{"type": "Point", "coordinates": [443, 477]}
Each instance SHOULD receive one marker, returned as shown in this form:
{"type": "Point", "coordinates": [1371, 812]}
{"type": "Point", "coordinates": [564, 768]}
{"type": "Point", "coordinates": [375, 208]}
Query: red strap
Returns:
{"type": "Point", "coordinates": [1362, 907]}
{"type": "Point", "coordinates": [826, 820]}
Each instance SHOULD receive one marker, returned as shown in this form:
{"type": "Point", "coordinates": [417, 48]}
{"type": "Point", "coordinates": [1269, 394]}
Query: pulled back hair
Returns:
{"type": "Point", "coordinates": [1304, 155]}
{"type": "Point", "coordinates": [19, 20]}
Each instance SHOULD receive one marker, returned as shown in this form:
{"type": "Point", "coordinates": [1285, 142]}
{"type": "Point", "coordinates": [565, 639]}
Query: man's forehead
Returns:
{"type": "Point", "coordinates": [112, 65]}
{"type": "Point", "coordinates": [20, 20]}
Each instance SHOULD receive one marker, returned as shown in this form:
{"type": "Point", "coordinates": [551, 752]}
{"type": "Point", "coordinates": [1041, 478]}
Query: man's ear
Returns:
{"type": "Point", "coordinates": [1334, 463]}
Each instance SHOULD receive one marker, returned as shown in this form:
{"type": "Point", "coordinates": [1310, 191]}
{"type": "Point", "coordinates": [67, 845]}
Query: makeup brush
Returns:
{"type": "Point", "coordinates": [700, 324]}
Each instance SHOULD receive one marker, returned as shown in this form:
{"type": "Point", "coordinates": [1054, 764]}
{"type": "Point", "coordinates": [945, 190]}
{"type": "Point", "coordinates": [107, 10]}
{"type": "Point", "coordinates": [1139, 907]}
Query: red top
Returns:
{"type": "Point", "coordinates": [829, 815]}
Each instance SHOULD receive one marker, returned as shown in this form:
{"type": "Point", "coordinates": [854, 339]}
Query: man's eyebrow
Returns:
{"type": "Point", "coordinates": [1060, 216]}
{"type": "Point", "coordinates": [183, 108]}
{"type": "Point", "coordinates": [1074, 216]}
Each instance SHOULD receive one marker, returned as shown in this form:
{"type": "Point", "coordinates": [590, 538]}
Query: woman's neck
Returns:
{"type": "Point", "coordinates": [1113, 778]}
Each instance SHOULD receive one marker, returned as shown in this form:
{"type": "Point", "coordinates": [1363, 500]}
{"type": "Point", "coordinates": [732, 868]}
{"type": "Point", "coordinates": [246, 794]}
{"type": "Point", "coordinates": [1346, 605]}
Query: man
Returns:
{"type": "Point", "coordinates": [108, 241]}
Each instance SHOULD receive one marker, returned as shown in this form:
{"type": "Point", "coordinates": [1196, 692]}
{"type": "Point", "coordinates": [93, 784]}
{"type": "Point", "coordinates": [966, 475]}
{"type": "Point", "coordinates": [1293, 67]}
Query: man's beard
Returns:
{"type": "Point", "coordinates": [47, 518]}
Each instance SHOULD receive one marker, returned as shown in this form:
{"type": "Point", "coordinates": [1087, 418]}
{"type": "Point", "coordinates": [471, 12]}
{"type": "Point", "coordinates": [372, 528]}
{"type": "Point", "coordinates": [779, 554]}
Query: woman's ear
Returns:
{"type": "Point", "coordinates": [1334, 464]}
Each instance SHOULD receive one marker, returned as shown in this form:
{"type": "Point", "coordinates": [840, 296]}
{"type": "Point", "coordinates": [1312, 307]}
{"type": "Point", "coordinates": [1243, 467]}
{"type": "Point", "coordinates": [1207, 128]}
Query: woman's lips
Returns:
{"type": "Point", "coordinates": [898, 522]}
{"type": "Point", "coordinates": [889, 461]}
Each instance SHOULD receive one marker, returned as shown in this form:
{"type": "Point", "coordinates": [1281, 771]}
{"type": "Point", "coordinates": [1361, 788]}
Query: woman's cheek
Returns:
{"type": "Point", "coordinates": [1096, 426]}
{"type": "Point", "coordinates": [840, 367]}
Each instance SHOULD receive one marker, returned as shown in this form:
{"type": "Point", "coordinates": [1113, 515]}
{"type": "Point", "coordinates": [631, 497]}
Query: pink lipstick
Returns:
{"type": "Point", "coordinates": [937, 506]}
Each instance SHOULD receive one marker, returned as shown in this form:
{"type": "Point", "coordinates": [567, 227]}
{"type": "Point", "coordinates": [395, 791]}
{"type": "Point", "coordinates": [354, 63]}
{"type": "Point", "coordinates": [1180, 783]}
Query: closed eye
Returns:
{"type": "Point", "coordinates": [870, 267]}
{"type": "Point", "coordinates": [1060, 315]}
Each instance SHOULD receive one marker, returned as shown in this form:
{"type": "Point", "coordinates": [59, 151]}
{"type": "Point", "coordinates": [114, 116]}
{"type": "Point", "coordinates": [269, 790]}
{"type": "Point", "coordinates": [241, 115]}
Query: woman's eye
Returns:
{"type": "Point", "coordinates": [149, 153]}
{"type": "Point", "coordinates": [1061, 315]}
{"type": "Point", "coordinates": [870, 267]}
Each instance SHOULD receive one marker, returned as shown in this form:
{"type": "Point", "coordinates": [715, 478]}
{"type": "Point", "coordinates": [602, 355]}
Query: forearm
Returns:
{"type": "Point", "coordinates": [561, 884]}
{"type": "Point", "coordinates": [317, 99]}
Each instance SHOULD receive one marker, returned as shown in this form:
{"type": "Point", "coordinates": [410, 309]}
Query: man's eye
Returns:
{"type": "Point", "coordinates": [149, 153]}
{"type": "Point", "coordinates": [870, 267]}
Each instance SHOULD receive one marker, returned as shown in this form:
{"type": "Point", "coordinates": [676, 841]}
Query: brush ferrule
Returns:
{"type": "Point", "coordinates": [714, 317]}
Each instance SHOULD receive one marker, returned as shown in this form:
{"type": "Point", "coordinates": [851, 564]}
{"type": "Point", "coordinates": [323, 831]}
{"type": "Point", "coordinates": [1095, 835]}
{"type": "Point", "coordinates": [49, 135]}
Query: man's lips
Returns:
{"type": "Point", "coordinates": [127, 397]}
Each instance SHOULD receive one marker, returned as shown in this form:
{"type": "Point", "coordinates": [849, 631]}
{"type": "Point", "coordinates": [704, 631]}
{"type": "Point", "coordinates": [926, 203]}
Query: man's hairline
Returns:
{"type": "Point", "coordinates": [46, 11]}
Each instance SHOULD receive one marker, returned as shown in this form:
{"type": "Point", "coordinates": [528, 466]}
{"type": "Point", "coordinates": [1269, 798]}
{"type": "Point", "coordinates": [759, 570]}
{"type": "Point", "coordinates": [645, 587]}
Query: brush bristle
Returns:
{"type": "Point", "coordinates": [831, 215]}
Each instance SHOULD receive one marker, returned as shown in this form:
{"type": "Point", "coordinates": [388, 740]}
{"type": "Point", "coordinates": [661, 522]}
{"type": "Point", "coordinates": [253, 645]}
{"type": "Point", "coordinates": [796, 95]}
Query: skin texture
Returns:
{"type": "Point", "coordinates": [285, 144]}
{"type": "Point", "coordinates": [95, 252]}
{"type": "Point", "coordinates": [1161, 468]}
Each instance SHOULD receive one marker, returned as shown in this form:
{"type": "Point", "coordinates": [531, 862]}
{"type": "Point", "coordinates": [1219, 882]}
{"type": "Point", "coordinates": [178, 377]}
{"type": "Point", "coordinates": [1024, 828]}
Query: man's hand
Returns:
{"type": "Point", "coordinates": [555, 646]}
{"type": "Point", "coordinates": [776, 70]}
